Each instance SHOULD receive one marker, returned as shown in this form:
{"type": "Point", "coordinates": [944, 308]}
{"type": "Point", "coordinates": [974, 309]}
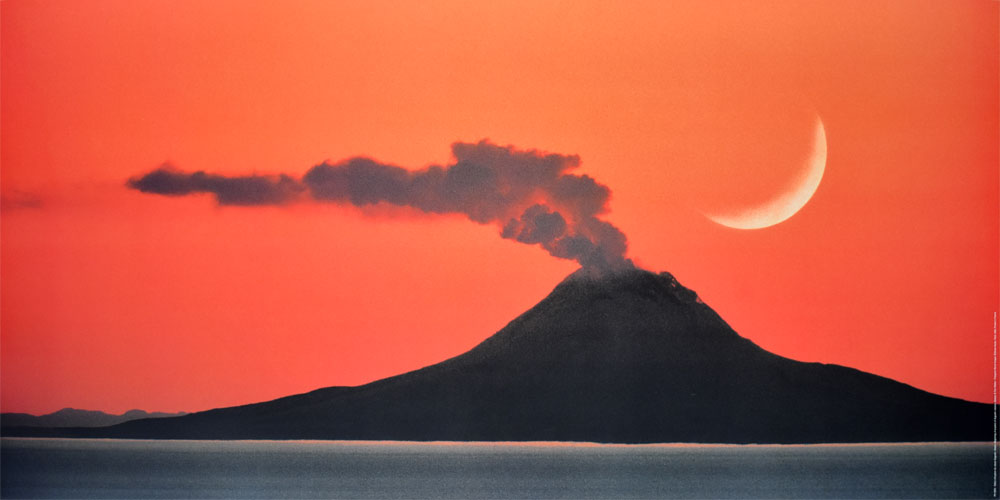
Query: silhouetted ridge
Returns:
{"type": "Point", "coordinates": [619, 356]}
{"type": "Point", "coordinates": [71, 417]}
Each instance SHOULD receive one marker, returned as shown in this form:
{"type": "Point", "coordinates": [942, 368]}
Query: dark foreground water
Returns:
{"type": "Point", "coordinates": [298, 469]}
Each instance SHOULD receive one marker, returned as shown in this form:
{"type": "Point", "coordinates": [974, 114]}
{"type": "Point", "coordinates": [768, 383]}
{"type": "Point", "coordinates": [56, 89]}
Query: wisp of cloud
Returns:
{"type": "Point", "coordinates": [529, 195]}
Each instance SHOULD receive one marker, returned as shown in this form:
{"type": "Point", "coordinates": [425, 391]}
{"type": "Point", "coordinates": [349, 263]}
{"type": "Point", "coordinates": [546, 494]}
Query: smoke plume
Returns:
{"type": "Point", "coordinates": [530, 196]}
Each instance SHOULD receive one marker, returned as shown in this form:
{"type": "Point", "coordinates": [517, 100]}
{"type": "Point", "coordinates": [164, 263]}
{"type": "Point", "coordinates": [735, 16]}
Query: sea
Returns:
{"type": "Point", "coordinates": [110, 468]}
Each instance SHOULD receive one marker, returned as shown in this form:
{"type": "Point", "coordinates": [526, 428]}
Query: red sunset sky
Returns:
{"type": "Point", "coordinates": [113, 299]}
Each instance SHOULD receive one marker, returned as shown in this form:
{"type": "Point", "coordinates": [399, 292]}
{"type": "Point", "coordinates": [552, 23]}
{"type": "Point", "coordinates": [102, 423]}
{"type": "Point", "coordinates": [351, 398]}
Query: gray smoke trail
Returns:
{"type": "Point", "coordinates": [528, 194]}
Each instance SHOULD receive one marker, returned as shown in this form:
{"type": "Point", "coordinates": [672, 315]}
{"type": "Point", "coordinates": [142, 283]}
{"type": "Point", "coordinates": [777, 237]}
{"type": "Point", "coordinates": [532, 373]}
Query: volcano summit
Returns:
{"type": "Point", "coordinates": [625, 357]}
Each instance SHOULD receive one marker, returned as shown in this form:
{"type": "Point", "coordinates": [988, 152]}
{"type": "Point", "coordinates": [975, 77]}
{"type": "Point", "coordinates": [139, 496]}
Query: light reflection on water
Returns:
{"type": "Point", "coordinates": [71, 468]}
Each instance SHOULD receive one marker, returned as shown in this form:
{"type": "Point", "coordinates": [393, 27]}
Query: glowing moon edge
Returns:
{"type": "Point", "coordinates": [788, 203]}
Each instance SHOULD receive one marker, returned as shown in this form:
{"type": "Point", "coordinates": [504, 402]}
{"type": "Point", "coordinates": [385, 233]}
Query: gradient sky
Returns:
{"type": "Point", "coordinates": [114, 299]}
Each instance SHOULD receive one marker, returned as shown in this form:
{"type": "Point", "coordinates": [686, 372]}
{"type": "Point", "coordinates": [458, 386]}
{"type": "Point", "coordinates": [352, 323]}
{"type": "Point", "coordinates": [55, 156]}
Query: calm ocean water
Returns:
{"type": "Point", "coordinates": [66, 468]}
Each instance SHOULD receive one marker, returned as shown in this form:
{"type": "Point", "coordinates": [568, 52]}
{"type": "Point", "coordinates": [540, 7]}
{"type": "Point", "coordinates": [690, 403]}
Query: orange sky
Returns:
{"type": "Point", "coordinates": [113, 299]}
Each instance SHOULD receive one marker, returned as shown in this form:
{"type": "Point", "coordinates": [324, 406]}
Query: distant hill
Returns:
{"type": "Point", "coordinates": [626, 357]}
{"type": "Point", "coordinates": [71, 417]}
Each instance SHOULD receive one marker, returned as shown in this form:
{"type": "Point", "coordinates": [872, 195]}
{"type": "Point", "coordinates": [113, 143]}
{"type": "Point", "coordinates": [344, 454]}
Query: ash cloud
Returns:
{"type": "Point", "coordinates": [531, 196]}
{"type": "Point", "coordinates": [243, 190]}
{"type": "Point", "coordinates": [17, 200]}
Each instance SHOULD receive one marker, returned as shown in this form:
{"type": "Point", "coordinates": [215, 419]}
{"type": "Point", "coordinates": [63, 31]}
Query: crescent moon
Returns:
{"type": "Point", "coordinates": [787, 203]}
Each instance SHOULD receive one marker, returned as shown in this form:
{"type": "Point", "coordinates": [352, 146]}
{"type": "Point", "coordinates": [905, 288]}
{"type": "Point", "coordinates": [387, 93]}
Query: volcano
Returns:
{"type": "Point", "coordinates": [624, 357]}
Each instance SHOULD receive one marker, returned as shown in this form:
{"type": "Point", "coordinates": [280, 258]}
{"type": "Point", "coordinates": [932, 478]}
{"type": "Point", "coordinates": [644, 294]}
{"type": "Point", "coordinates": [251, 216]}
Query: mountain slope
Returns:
{"type": "Point", "coordinates": [628, 357]}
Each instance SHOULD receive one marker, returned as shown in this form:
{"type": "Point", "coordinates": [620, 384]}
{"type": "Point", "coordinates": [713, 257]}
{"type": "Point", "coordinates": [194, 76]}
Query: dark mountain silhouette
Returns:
{"type": "Point", "coordinates": [71, 417]}
{"type": "Point", "coordinates": [627, 357]}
